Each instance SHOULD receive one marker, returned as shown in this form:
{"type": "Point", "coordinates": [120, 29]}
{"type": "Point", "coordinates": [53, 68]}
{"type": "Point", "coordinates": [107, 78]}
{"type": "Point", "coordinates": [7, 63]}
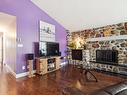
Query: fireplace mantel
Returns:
{"type": "Point", "coordinates": [120, 37]}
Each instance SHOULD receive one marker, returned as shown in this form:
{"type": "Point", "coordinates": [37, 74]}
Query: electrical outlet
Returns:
{"type": "Point", "coordinates": [23, 67]}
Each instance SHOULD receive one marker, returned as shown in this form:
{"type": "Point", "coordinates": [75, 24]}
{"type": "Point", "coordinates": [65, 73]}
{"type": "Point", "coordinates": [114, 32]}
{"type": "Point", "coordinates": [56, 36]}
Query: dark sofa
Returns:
{"type": "Point", "coordinates": [117, 89]}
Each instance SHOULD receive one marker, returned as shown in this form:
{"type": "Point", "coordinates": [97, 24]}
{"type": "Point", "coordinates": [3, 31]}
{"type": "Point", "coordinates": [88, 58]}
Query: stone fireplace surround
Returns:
{"type": "Point", "coordinates": [115, 39]}
{"type": "Point", "coordinates": [120, 45]}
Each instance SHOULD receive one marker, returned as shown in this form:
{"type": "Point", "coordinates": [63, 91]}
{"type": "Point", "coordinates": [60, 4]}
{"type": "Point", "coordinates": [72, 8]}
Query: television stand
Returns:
{"type": "Point", "coordinates": [47, 65]}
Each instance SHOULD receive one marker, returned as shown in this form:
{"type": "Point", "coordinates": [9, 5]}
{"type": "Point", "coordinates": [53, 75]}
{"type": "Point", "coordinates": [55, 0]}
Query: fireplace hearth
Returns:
{"type": "Point", "coordinates": [107, 56]}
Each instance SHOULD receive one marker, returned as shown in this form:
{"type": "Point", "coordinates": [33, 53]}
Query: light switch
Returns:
{"type": "Point", "coordinates": [20, 45]}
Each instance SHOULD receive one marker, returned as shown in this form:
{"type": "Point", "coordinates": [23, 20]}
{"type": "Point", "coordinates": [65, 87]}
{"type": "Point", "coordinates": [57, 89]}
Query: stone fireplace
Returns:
{"type": "Point", "coordinates": [110, 37]}
{"type": "Point", "coordinates": [119, 45]}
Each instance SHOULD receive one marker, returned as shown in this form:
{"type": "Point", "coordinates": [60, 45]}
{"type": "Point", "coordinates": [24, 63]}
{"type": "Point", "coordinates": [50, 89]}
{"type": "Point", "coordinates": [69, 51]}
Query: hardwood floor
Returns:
{"type": "Point", "coordinates": [53, 83]}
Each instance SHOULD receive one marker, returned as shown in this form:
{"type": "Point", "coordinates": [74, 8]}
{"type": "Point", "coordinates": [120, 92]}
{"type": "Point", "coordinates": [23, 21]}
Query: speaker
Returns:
{"type": "Point", "coordinates": [59, 53]}
{"type": "Point", "coordinates": [30, 56]}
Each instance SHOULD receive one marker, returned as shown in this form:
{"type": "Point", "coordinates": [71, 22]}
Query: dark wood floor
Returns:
{"type": "Point", "coordinates": [53, 83]}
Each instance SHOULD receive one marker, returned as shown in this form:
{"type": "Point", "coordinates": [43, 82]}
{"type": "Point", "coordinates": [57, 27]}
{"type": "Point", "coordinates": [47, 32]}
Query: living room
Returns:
{"type": "Point", "coordinates": [63, 47]}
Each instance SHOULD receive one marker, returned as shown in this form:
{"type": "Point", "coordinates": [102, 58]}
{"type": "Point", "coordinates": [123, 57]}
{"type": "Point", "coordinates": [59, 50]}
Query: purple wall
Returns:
{"type": "Point", "coordinates": [28, 16]}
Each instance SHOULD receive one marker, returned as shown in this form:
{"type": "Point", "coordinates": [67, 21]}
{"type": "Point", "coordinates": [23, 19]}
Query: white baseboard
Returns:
{"type": "Point", "coordinates": [10, 70]}
{"type": "Point", "coordinates": [17, 75]}
{"type": "Point", "coordinates": [24, 74]}
{"type": "Point", "coordinates": [34, 71]}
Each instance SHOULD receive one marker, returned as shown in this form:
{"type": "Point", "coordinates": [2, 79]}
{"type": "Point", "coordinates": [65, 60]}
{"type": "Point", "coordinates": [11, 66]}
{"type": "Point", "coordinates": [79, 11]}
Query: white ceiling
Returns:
{"type": "Point", "coordinates": [5, 21]}
{"type": "Point", "coordinates": [83, 14]}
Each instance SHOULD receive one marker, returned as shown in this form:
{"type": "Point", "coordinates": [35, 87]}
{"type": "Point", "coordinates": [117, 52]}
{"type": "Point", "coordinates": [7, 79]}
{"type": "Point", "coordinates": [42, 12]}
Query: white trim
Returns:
{"type": "Point", "coordinates": [107, 38]}
{"type": "Point", "coordinates": [34, 71]}
{"type": "Point", "coordinates": [24, 74]}
{"type": "Point", "coordinates": [63, 63]}
{"type": "Point", "coordinates": [10, 70]}
{"type": "Point", "coordinates": [17, 75]}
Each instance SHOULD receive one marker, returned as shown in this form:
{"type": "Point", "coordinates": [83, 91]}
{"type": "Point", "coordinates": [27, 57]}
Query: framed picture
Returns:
{"type": "Point", "coordinates": [47, 32]}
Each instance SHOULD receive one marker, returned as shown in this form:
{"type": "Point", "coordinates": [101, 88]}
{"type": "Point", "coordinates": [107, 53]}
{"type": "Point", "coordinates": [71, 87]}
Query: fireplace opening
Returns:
{"type": "Point", "coordinates": [107, 56]}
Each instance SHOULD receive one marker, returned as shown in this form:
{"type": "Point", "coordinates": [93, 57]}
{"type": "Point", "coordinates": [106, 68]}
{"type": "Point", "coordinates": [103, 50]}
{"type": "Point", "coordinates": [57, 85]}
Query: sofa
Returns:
{"type": "Point", "coordinates": [117, 89]}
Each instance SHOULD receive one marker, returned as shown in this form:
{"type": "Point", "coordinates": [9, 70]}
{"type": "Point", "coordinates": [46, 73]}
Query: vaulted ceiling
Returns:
{"type": "Point", "coordinates": [77, 15]}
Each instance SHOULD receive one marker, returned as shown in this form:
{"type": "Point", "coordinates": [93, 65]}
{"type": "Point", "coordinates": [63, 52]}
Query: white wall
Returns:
{"type": "Point", "coordinates": [84, 14]}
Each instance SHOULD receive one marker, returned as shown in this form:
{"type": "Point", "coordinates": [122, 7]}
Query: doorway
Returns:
{"type": "Point", "coordinates": [1, 51]}
{"type": "Point", "coordinates": [8, 42]}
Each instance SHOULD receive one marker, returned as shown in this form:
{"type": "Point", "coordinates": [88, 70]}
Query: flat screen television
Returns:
{"type": "Point", "coordinates": [48, 49]}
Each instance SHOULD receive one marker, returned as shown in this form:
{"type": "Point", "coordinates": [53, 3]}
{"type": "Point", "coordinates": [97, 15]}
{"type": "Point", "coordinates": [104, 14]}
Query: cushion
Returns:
{"type": "Point", "coordinates": [124, 92]}
{"type": "Point", "coordinates": [116, 88]}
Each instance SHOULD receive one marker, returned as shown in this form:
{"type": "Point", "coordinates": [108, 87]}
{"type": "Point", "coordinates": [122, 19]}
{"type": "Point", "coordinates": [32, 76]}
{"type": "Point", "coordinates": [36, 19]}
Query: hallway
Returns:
{"type": "Point", "coordinates": [7, 82]}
